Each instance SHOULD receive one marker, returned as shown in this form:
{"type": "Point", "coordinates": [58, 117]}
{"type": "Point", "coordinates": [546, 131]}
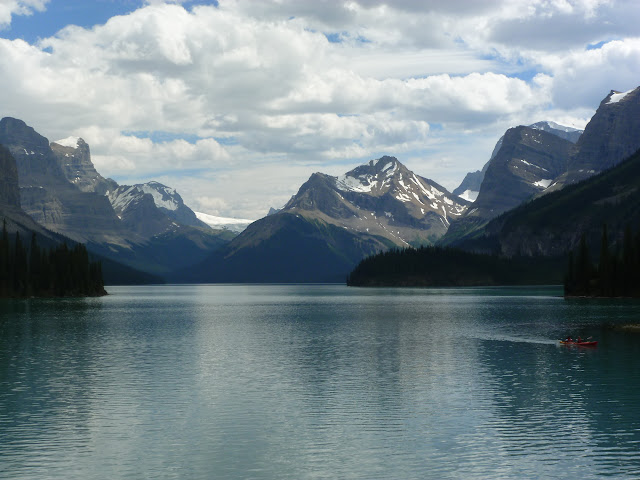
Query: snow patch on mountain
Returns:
{"type": "Point", "coordinates": [469, 195]}
{"type": "Point", "coordinates": [363, 184]}
{"type": "Point", "coordinates": [543, 183]}
{"type": "Point", "coordinates": [122, 197]}
{"type": "Point", "coordinates": [233, 224]}
{"type": "Point", "coordinates": [616, 97]}
{"type": "Point", "coordinates": [71, 142]}
{"type": "Point", "coordinates": [163, 196]}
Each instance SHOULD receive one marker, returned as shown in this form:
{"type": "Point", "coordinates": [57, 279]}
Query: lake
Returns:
{"type": "Point", "coordinates": [318, 381]}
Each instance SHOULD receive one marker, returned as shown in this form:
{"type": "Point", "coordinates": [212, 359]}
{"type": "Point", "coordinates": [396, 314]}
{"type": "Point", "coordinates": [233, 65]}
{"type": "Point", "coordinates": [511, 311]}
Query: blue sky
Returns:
{"type": "Point", "coordinates": [235, 105]}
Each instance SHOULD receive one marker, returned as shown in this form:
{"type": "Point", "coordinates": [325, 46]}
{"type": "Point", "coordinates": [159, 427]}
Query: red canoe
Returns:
{"type": "Point", "coordinates": [580, 344]}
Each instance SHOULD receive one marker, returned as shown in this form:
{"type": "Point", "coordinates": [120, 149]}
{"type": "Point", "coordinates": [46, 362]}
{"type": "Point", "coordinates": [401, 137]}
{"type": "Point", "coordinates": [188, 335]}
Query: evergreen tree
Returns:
{"type": "Point", "coordinates": [605, 266]}
{"type": "Point", "coordinates": [35, 266]}
{"type": "Point", "coordinates": [4, 261]}
{"type": "Point", "coordinates": [20, 268]}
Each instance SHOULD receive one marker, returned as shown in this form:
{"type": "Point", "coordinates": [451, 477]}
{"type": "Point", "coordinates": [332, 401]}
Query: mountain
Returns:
{"type": "Point", "coordinates": [553, 224]}
{"type": "Point", "coordinates": [10, 210]}
{"type": "Point", "coordinates": [151, 208]}
{"type": "Point", "coordinates": [562, 131]}
{"type": "Point", "coordinates": [332, 223]}
{"type": "Point", "coordinates": [49, 198]}
{"type": "Point", "coordinates": [381, 198]}
{"type": "Point", "coordinates": [145, 226]}
{"type": "Point", "coordinates": [527, 162]}
{"type": "Point", "coordinates": [610, 136]}
{"type": "Point", "coordinates": [470, 186]}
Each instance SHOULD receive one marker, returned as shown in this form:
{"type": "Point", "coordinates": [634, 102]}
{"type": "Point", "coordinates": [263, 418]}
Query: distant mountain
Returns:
{"type": "Point", "coordinates": [470, 186]}
{"type": "Point", "coordinates": [332, 223]}
{"type": "Point", "coordinates": [528, 161]}
{"type": "Point", "coordinates": [562, 131]}
{"type": "Point", "coordinates": [381, 198]}
{"type": "Point", "coordinates": [152, 208]}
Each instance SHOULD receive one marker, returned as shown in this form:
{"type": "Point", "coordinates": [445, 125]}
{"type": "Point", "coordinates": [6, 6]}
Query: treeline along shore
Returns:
{"type": "Point", "coordinates": [60, 271]}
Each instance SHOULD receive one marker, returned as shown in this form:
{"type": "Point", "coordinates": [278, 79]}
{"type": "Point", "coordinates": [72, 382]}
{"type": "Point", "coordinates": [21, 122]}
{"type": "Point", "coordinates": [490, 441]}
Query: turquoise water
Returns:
{"type": "Point", "coordinates": [318, 381]}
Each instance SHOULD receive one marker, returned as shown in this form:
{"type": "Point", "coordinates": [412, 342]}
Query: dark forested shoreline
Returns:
{"type": "Point", "coordinates": [444, 266]}
{"type": "Point", "coordinates": [60, 271]}
{"type": "Point", "coordinates": [616, 274]}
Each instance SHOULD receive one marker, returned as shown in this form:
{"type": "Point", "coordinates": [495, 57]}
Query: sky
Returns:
{"type": "Point", "coordinates": [235, 103]}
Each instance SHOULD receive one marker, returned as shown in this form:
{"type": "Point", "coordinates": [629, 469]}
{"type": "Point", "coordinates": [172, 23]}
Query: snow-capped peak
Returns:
{"type": "Point", "coordinates": [617, 96]}
{"type": "Point", "coordinates": [71, 142]}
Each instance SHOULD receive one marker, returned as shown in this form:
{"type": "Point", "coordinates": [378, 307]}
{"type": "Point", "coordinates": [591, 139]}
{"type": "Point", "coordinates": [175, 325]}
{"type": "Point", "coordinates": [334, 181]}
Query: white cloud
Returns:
{"type": "Point", "coordinates": [8, 8]}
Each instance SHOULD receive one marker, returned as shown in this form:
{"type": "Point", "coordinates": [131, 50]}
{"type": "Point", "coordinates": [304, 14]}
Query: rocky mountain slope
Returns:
{"type": "Point", "coordinates": [381, 198]}
{"type": "Point", "coordinates": [332, 223]}
{"type": "Point", "coordinates": [49, 198]}
{"type": "Point", "coordinates": [527, 163]}
{"type": "Point", "coordinates": [470, 186]}
{"type": "Point", "coordinates": [553, 224]}
{"type": "Point", "coordinates": [610, 136]}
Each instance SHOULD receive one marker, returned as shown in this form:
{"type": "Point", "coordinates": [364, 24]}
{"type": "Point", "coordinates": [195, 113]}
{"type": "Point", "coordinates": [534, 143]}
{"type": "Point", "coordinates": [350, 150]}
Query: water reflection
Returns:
{"type": "Point", "coordinates": [316, 381]}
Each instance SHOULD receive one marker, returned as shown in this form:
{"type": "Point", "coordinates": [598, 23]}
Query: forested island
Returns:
{"type": "Point", "coordinates": [60, 271]}
{"type": "Point", "coordinates": [451, 267]}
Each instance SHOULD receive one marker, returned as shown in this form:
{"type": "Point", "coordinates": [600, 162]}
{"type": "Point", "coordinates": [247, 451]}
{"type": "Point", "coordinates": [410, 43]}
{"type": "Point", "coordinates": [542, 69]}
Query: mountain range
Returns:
{"type": "Point", "coordinates": [529, 162]}
{"type": "Point", "coordinates": [332, 222]}
{"type": "Point", "coordinates": [145, 226]}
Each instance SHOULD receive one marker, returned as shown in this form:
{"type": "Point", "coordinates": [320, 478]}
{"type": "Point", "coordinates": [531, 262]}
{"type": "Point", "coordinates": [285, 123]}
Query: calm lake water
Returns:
{"type": "Point", "coordinates": [318, 381]}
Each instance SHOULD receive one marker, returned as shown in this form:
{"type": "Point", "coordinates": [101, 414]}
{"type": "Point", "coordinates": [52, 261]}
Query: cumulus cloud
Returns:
{"type": "Point", "coordinates": [8, 8]}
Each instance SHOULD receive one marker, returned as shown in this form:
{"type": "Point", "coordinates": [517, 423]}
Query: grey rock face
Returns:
{"type": "Point", "coordinates": [528, 162]}
{"type": "Point", "coordinates": [9, 187]}
{"type": "Point", "coordinates": [610, 136]}
{"type": "Point", "coordinates": [472, 181]}
{"type": "Point", "coordinates": [75, 162]}
{"type": "Point", "coordinates": [49, 198]}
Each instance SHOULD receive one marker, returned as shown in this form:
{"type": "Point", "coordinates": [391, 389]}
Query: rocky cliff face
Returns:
{"type": "Point", "coordinates": [74, 158]}
{"type": "Point", "coordinates": [49, 198]}
{"type": "Point", "coordinates": [9, 188]}
{"type": "Point", "coordinates": [470, 186]}
{"type": "Point", "coordinates": [610, 136]}
{"type": "Point", "coordinates": [527, 163]}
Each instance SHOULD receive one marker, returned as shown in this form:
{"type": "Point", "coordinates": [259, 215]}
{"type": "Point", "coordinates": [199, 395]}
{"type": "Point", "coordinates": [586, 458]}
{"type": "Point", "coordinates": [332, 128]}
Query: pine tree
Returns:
{"type": "Point", "coordinates": [20, 268]}
{"type": "Point", "coordinates": [605, 266]}
{"type": "Point", "coordinates": [4, 261]}
{"type": "Point", "coordinates": [34, 266]}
